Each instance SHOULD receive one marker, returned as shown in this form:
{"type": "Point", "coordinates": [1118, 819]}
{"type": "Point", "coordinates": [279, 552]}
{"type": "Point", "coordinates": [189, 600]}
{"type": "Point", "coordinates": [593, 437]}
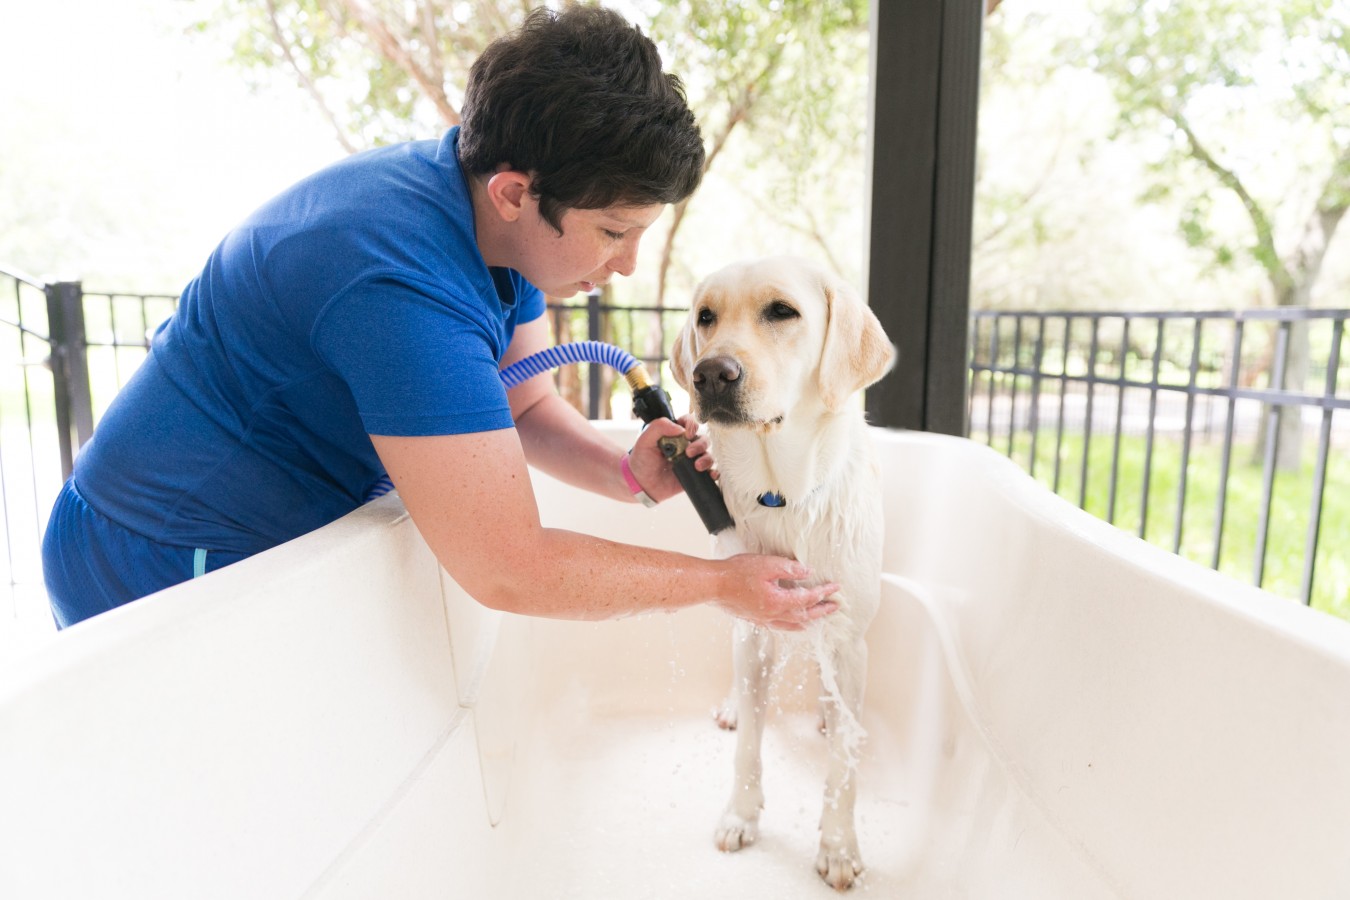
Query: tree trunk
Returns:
{"type": "Point", "coordinates": [1288, 372]}
{"type": "Point", "coordinates": [1305, 267]}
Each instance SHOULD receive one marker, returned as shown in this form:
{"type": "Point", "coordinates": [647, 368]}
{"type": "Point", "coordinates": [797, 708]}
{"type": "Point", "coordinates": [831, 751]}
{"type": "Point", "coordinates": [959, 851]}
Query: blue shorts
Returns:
{"type": "Point", "coordinates": [91, 564]}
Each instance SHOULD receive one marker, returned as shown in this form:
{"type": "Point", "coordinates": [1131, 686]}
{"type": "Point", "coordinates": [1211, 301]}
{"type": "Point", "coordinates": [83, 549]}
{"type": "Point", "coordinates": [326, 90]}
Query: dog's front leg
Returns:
{"type": "Point", "coordinates": [728, 544]}
{"type": "Point", "coordinates": [839, 862]}
{"type": "Point", "coordinates": [752, 660]}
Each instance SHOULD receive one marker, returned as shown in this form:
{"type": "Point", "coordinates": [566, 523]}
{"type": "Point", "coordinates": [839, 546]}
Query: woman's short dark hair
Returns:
{"type": "Point", "coordinates": [578, 100]}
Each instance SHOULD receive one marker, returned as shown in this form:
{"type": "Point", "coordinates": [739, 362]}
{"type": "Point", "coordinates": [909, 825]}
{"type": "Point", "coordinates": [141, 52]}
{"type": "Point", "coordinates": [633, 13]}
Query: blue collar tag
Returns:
{"type": "Point", "coordinates": [772, 499]}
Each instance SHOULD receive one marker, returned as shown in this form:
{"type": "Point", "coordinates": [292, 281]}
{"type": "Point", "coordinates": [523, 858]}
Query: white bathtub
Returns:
{"type": "Point", "coordinates": [1055, 710]}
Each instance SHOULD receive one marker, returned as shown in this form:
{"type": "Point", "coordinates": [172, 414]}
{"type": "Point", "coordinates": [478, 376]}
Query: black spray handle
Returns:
{"type": "Point", "coordinates": [650, 403]}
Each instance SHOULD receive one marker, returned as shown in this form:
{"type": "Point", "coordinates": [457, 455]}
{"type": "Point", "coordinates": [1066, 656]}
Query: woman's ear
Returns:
{"type": "Point", "coordinates": [857, 352]}
{"type": "Point", "coordinates": [509, 190]}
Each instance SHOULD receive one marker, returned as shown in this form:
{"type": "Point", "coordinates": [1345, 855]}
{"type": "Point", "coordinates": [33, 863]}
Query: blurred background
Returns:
{"type": "Point", "coordinates": [1137, 163]}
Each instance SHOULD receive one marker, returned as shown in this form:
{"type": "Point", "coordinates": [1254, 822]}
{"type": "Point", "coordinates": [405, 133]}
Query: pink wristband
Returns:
{"type": "Point", "coordinates": [632, 483]}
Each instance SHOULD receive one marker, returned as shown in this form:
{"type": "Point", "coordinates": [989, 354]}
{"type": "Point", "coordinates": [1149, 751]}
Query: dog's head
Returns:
{"type": "Point", "coordinates": [767, 337]}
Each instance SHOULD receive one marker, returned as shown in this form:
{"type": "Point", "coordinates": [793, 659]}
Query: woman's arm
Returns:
{"type": "Point", "coordinates": [471, 498]}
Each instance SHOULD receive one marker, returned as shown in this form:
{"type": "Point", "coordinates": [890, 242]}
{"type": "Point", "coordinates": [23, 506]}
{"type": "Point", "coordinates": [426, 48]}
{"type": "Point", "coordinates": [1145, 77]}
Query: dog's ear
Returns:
{"type": "Point", "coordinates": [682, 355]}
{"type": "Point", "coordinates": [857, 352]}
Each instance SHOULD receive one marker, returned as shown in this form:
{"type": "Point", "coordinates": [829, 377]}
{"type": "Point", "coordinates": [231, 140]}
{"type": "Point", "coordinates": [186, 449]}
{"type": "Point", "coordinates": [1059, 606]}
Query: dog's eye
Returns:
{"type": "Point", "coordinates": [779, 311]}
{"type": "Point", "coordinates": [705, 317]}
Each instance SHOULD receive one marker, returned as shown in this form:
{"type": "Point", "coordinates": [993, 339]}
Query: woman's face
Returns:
{"type": "Point", "coordinates": [595, 245]}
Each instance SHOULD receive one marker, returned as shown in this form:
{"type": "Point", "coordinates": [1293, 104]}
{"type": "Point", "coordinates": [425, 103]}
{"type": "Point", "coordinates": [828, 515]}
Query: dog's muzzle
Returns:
{"type": "Point", "coordinates": [717, 381]}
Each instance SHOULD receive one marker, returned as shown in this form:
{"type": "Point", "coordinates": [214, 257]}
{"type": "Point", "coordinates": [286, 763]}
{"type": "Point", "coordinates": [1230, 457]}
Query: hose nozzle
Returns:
{"type": "Point", "coordinates": [637, 378]}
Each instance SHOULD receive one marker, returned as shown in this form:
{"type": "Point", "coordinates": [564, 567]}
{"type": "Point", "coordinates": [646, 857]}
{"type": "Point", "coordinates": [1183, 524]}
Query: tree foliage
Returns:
{"type": "Point", "coordinates": [777, 70]}
{"type": "Point", "coordinates": [1208, 77]}
{"type": "Point", "coordinates": [380, 71]}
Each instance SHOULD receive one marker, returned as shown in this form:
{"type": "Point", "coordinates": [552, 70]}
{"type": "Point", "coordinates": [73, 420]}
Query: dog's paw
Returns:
{"type": "Point", "coordinates": [839, 863]}
{"type": "Point", "coordinates": [735, 832]}
{"type": "Point", "coordinates": [725, 716]}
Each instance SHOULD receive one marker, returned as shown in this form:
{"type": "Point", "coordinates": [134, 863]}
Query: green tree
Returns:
{"type": "Point", "coordinates": [380, 71]}
{"type": "Point", "coordinates": [781, 70]}
{"type": "Point", "coordinates": [1214, 81]}
{"type": "Point", "coordinates": [775, 69]}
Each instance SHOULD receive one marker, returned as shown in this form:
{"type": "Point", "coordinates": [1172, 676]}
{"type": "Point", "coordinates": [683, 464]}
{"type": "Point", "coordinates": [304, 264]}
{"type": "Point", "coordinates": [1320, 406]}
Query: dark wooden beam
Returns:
{"type": "Point", "coordinates": [925, 92]}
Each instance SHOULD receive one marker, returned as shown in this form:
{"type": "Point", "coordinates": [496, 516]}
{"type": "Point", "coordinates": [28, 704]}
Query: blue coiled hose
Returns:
{"type": "Point", "coordinates": [522, 370]}
{"type": "Point", "coordinates": [575, 352]}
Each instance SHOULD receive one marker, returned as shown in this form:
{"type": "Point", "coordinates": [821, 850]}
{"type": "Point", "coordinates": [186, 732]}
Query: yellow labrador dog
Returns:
{"type": "Point", "coordinates": [773, 356]}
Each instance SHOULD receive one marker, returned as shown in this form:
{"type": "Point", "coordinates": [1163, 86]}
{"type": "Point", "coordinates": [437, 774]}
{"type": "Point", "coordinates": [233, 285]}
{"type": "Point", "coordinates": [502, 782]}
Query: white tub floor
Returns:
{"type": "Point", "coordinates": [616, 787]}
{"type": "Point", "coordinates": [646, 792]}
{"type": "Point", "coordinates": [632, 803]}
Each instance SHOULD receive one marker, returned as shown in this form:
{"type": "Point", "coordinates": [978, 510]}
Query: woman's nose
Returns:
{"type": "Point", "coordinates": [625, 261]}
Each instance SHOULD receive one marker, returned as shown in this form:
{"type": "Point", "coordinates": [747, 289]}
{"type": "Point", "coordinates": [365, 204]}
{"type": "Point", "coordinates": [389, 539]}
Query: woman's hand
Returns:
{"type": "Point", "coordinates": [767, 591]}
{"type": "Point", "coordinates": [651, 468]}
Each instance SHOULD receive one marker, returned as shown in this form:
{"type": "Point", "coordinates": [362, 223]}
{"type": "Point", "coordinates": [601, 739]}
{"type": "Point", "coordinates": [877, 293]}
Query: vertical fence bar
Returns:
{"type": "Point", "coordinates": [1087, 413]}
{"type": "Point", "coordinates": [1320, 472]}
{"type": "Point", "coordinates": [1152, 425]}
{"type": "Point", "coordinates": [1063, 390]}
{"type": "Point", "coordinates": [1273, 415]}
{"type": "Point", "coordinates": [114, 339]}
{"type": "Point", "coordinates": [1012, 394]}
{"type": "Point", "coordinates": [986, 375]}
{"type": "Point", "coordinates": [1034, 414]}
{"type": "Point", "coordinates": [972, 378]}
{"type": "Point", "coordinates": [1226, 459]}
{"type": "Point", "coordinates": [593, 369]}
{"type": "Point", "coordinates": [993, 366]}
{"type": "Point", "coordinates": [145, 324]}
{"type": "Point", "coordinates": [1191, 384]}
{"type": "Point", "coordinates": [1120, 418]}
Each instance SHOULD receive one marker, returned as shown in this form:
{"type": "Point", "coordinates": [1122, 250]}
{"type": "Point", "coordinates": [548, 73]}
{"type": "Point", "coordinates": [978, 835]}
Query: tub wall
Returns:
{"type": "Point", "coordinates": [232, 736]}
{"type": "Point", "coordinates": [335, 718]}
{"type": "Point", "coordinates": [1153, 709]}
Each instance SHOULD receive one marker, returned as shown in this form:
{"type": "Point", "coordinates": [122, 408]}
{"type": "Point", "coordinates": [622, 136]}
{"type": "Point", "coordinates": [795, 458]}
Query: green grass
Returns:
{"type": "Point", "coordinates": [1291, 505]}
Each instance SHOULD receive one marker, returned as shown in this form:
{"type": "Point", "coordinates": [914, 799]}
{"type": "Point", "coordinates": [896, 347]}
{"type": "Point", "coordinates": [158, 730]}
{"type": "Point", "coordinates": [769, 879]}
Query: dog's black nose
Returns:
{"type": "Point", "coordinates": [717, 376]}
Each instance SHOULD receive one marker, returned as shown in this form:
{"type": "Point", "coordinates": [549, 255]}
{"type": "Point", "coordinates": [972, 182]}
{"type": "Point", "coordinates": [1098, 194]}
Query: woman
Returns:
{"type": "Point", "coordinates": [356, 324]}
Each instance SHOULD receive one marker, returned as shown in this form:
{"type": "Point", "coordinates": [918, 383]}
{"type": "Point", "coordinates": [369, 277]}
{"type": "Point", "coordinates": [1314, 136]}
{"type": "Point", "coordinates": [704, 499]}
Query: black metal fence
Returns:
{"type": "Point", "coordinates": [73, 349]}
{"type": "Point", "coordinates": [645, 331]}
{"type": "Point", "coordinates": [1225, 420]}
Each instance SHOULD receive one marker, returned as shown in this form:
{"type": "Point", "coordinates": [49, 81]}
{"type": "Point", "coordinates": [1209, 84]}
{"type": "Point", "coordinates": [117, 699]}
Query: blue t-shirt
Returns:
{"type": "Point", "coordinates": [354, 303]}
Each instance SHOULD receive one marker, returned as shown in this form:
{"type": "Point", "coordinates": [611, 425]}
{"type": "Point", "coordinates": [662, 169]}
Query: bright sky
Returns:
{"type": "Point", "coordinates": [110, 111]}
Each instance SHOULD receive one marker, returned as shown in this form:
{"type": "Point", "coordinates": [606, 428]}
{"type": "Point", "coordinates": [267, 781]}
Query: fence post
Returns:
{"type": "Point", "coordinates": [593, 369]}
{"type": "Point", "coordinates": [70, 369]}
